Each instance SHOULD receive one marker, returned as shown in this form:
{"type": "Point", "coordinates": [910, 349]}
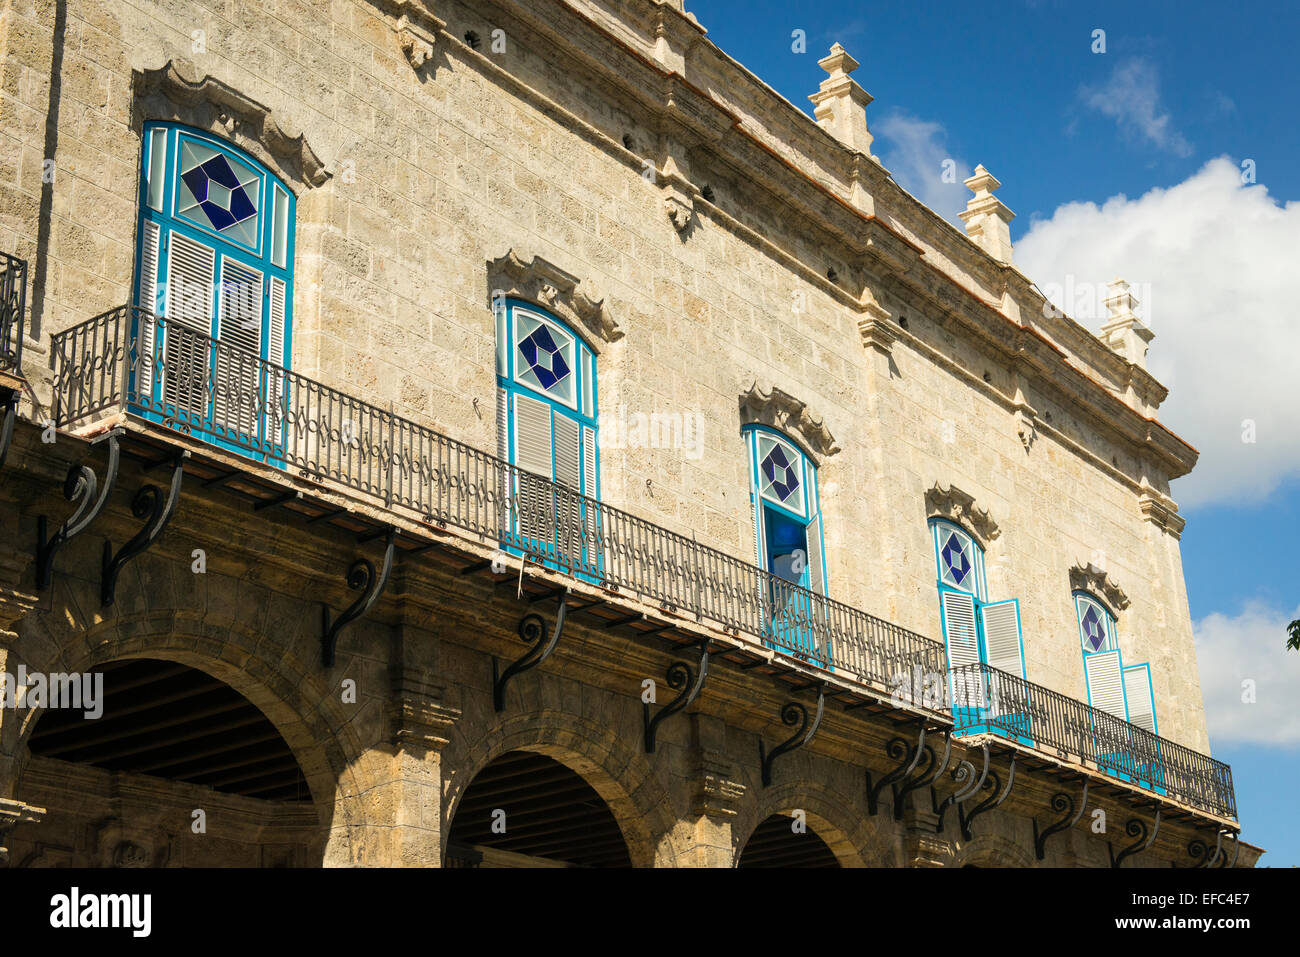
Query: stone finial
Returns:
{"type": "Point", "coordinates": [840, 104]}
{"type": "Point", "coordinates": [987, 219]}
{"type": "Point", "coordinates": [1124, 331]}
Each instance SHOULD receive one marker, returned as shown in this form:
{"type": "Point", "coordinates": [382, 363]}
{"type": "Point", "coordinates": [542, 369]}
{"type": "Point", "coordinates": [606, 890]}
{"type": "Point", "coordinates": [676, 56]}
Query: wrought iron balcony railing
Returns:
{"type": "Point", "coordinates": [984, 699]}
{"type": "Point", "coordinates": [167, 373]}
{"type": "Point", "coordinates": [13, 306]}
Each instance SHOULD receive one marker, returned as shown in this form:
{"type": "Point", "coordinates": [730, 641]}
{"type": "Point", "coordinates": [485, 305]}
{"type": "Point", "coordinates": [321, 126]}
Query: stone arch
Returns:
{"type": "Point", "coordinates": [992, 850]}
{"type": "Point", "coordinates": [855, 839]}
{"type": "Point", "coordinates": [285, 689]}
{"type": "Point", "coordinates": [617, 772]}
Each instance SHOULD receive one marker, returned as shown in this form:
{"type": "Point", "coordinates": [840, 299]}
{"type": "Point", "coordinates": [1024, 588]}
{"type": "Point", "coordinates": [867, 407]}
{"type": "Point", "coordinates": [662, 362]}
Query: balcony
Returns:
{"type": "Point", "coordinates": [181, 381]}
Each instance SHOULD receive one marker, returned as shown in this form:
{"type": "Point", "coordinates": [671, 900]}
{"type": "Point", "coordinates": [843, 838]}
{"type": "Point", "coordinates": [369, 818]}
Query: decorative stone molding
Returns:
{"type": "Point", "coordinates": [1092, 579]}
{"type": "Point", "coordinates": [718, 796]}
{"type": "Point", "coordinates": [840, 104]}
{"type": "Point", "coordinates": [679, 196]}
{"type": "Point", "coordinates": [785, 413]}
{"type": "Point", "coordinates": [416, 41]}
{"type": "Point", "coordinates": [874, 327]}
{"type": "Point", "coordinates": [1026, 419]}
{"type": "Point", "coordinates": [1162, 513]}
{"type": "Point", "coordinates": [987, 219]}
{"type": "Point", "coordinates": [422, 719]}
{"type": "Point", "coordinates": [13, 813]}
{"type": "Point", "coordinates": [174, 92]}
{"type": "Point", "coordinates": [544, 282]}
{"type": "Point", "coordinates": [956, 506]}
{"type": "Point", "coordinates": [1124, 332]}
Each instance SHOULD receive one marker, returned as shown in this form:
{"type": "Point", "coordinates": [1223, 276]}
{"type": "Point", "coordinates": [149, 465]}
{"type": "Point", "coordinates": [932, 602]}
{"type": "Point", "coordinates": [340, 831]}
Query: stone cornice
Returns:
{"type": "Point", "coordinates": [541, 281]}
{"type": "Point", "coordinates": [1098, 583]}
{"type": "Point", "coordinates": [823, 188]}
{"type": "Point", "coordinates": [175, 92]}
{"type": "Point", "coordinates": [785, 413]}
{"type": "Point", "coordinates": [957, 506]}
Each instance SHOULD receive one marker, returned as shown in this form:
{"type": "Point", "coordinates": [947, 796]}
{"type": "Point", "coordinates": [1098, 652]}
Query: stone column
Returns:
{"type": "Point", "coordinates": [702, 838]}
{"type": "Point", "coordinates": [401, 793]}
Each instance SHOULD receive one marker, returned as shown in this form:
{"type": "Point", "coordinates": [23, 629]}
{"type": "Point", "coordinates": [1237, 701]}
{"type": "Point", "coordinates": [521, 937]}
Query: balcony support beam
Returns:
{"type": "Point", "coordinates": [362, 577]}
{"type": "Point", "coordinates": [148, 502]}
{"type": "Point", "coordinates": [1064, 803]}
{"type": "Point", "coordinates": [79, 486]}
{"type": "Point", "coordinates": [791, 713]}
{"type": "Point", "coordinates": [988, 803]}
{"type": "Point", "coordinates": [1136, 828]}
{"type": "Point", "coordinates": [679, 676]}
{"type": "Point", "coordinates": [964, 772]}
{"type": "Point", "coordinates": [907, 757]}
{"type": "Point", "coordinates": [532, 629]}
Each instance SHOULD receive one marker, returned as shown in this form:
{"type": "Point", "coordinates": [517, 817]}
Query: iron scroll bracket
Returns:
{"type": "Point", "coordinates": [532, 629]}
{"type": "Point", "coordinates": [80, 486]}
{"type": "Point", "coordinates": [361, 576]}
{"type": "Point", "coordinates": [907, 757]}
{"type": "Point", "coordinates": [679, 676]}
{"type": "Point", "coordinates": [1135, 828]}
{"type": "Point", "coordinates": [923, 777]}
{"type": "Point", "coordinates": [1198, 850]}
{"type": "Point", "coordinates": [989, 803]}
{"type": "Point", "coordinates": [963, 773]}
{"type": "Point", "coordinates": [1063, 803]}
{"type": "Point", "coordinates": [790, 714]}
{"type": "Point", "coordinates": [149, 504]}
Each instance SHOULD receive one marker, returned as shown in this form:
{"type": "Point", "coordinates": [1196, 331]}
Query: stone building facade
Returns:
{"type": "Point", "coordinates": [485, 201]}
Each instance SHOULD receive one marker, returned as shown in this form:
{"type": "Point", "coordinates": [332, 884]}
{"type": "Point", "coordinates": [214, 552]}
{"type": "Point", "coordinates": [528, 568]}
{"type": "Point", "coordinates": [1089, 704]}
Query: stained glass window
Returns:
{"type": "Point", "coordinates": [1096, 625]}
{"type": "Point", "coordinates": [218, 193]}
{"type": "Point", "coordinates": [779, 473]}
{"type": "Point", "coordinates": [956, 560]}
{"type": "Point", "coordinates": [544, 357]}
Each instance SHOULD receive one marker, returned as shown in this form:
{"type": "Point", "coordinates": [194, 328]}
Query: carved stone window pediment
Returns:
{"type": "Point", "coordinates": [538, 280]}
{"type": "Point", "coordinates": [1097, 582]}
{"type": "Point", "coordinates": [785, 413]}
{"type": "Point", "coordinates": [175, 92]}
{"type": "Point", "coordinates": [958, 507]}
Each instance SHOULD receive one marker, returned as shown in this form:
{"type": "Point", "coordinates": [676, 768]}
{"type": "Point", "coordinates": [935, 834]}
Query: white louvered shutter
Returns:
{"type": "Point", "coordinates": [503, 424]}
{"type": "Point", "coordinates": [533, 454]}
{"type": "Point", "coordinates": [567, 436]}
{"type": "Point", "coordinates": [1002, 636]}
{"type": "Point", "coordinates": [190, 275]}
{"type": "Point", "coordinates": [239, 324]}
{"type": "Point", "coordinates": [277, 382]}
{"type": "Point", "coordinates": [759, 578]}
{"type": "Point", "coordinates": [1001, 622]}
{"type": "Point", "coordinates": [963, 648]}
{"type": "Point", "coordinates": [1105, 683]}
{"type": "Point", "coordinates": [149, 303]}
{"type": "Point", "coordinates": [1141, 703]}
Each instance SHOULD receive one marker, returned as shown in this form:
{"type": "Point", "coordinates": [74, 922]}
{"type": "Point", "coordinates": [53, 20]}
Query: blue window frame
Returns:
{"type": "Point", "coordinates": [789, 541]}
{"type": "Point", "coordinates": [547, 425]}
{"type": "Point", "coordinates": [977, 631]}
{"type": "Point", "coordinates": [214, 261]}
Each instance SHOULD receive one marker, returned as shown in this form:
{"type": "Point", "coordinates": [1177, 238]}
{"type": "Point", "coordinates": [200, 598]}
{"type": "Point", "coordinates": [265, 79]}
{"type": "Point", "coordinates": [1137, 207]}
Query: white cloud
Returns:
{"type": "Point", "coordinates": [1249, 647]}
{"type": "Point", "coordinates": [1214, 262]}
{"type": "Point", "coordinates": [1131, 97]}
{"type": "Point", "coordinates": [913, 151]}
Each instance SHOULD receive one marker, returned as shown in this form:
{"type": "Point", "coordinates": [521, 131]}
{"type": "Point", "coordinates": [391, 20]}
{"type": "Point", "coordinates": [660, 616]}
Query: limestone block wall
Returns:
{"type": "Point", "coordinates": [438, 168]}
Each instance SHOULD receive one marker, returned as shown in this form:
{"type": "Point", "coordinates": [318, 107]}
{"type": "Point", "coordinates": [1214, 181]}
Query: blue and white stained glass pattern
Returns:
{"type": "Point", "coordinates": [218, 193]}
{"type": "Point", "coordinates": [956, 560]}
{"type": "Point", "coordinates": [1093, 626]}
{"type": "Point", "coordinates": [780, 473]}
{"type": "Point", "coordinates": [544, 357]}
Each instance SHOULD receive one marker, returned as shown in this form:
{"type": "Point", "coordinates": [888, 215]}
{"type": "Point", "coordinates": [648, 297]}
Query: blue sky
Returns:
{"type": "Point", "coordinates": [1129, 162]}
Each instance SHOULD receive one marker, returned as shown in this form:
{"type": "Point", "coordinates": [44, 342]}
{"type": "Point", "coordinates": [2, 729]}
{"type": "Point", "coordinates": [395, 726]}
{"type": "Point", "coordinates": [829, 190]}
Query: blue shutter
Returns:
{"type": "Point", "coordinates": [962, 641]}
